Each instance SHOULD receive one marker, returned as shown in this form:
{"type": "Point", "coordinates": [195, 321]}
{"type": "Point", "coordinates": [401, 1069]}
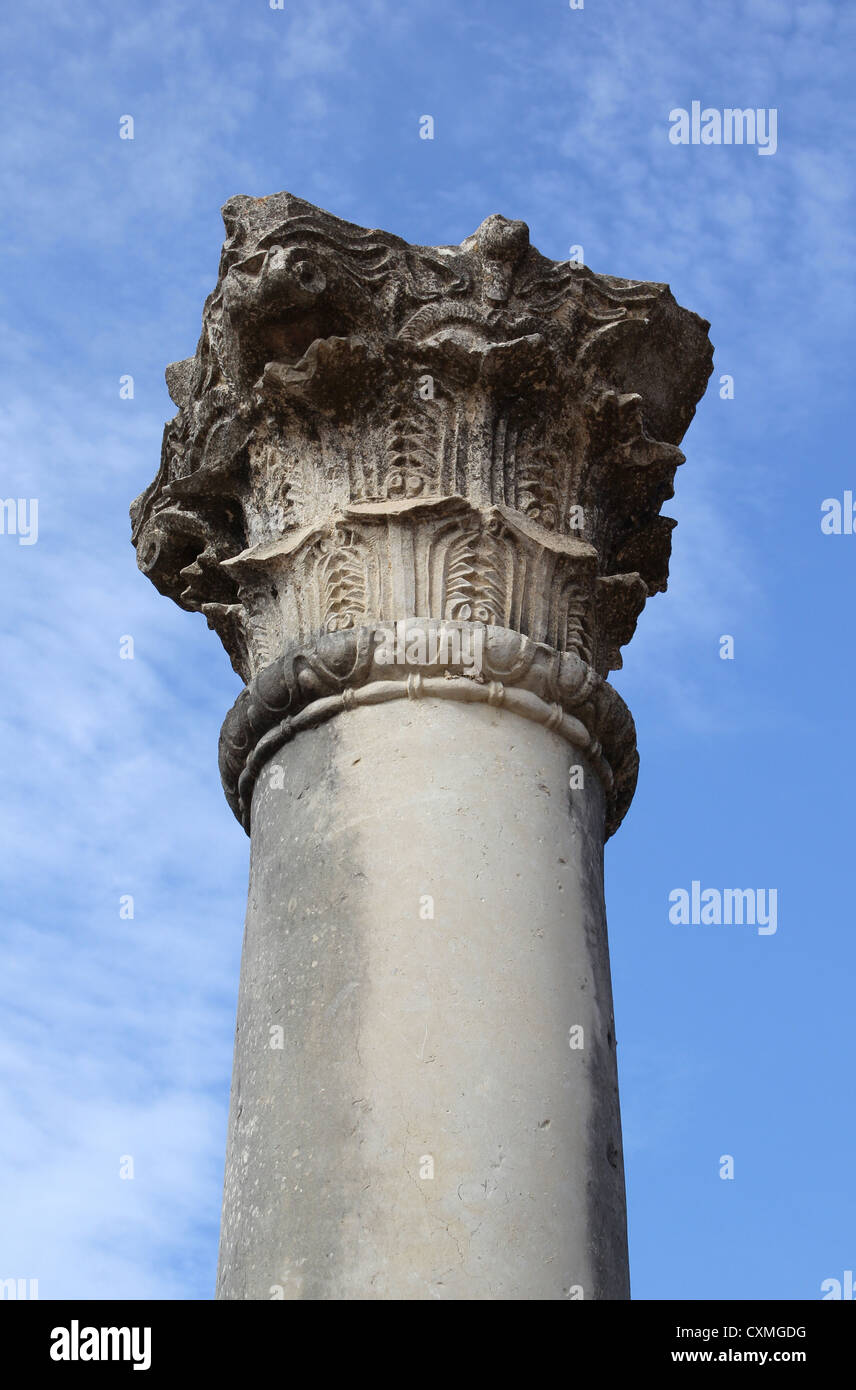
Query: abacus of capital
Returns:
{"type": "Point", "coordinates": [416, 491]}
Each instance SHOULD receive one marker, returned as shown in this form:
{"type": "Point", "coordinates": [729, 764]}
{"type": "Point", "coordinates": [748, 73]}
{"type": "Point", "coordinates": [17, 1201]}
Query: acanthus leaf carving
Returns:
{"type": "Point", "coordinates": [373, 431]}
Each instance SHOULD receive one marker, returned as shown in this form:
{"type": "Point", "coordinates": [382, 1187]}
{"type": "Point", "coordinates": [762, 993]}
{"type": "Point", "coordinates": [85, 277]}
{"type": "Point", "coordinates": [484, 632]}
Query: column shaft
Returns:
{"type": "Point", "coordinates": [425, 928]}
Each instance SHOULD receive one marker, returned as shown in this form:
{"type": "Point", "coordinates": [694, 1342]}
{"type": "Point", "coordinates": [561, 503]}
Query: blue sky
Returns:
{"type": "Point", "coordinates": [116, 1035]}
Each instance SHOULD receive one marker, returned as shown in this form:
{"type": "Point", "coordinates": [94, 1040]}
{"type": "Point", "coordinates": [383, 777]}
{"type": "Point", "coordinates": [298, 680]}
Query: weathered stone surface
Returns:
{"type": "Point", "coordinates": [425, 1131]}
{"type": "Point", "coordinates": [417, 491]}
{"type": "Point", "coordinates": [371, 430]}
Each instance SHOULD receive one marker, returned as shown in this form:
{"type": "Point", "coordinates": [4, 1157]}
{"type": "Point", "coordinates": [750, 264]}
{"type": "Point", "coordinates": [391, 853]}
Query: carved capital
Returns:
{"type": "Point", "coordinates": [371, 431]}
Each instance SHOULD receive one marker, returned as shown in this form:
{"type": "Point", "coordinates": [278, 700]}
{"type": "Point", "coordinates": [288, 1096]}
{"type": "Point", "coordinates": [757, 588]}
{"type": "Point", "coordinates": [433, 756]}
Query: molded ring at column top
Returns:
{"type": "Point", "coordinates": [420, 658]}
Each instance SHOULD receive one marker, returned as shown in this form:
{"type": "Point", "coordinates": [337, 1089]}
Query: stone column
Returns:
{"type": "Point", "coordinates": [416, 491]}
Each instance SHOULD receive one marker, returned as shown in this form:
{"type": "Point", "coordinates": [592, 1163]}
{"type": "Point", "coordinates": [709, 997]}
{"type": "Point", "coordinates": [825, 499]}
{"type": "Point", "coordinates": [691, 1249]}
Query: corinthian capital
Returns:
{"type": "Point", "coordinates": [371, 431]}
